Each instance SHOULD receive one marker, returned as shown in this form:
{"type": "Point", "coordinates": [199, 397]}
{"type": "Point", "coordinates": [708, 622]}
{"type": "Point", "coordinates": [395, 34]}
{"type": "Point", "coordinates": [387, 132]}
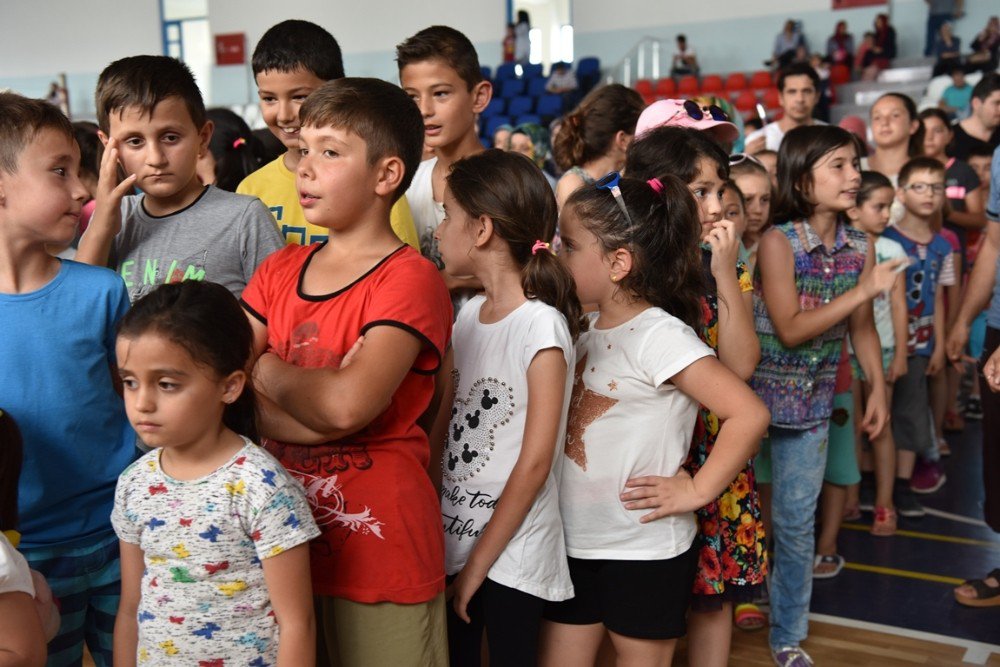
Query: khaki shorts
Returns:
{"type": "Point", "coordinates": [356, 634]}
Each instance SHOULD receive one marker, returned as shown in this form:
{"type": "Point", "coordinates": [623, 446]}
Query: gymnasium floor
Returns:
{"type": "Point", "coordinates": [893, 601]}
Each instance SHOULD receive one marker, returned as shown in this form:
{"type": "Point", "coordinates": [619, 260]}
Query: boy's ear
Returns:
{"type": "Point", "coordinates": [103, 137]}
{"type": "Point", "coordinates": [204, 136]}
{"type": "Point", "coordinates": [390, 175]}
{"type": "Point", "coordinates": [482, 93]}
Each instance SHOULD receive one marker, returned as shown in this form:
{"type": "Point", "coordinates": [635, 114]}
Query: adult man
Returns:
{"type": "Point", "coordinates": [798, 93]}
{"type": "Point", "coordinates": [982, 128]}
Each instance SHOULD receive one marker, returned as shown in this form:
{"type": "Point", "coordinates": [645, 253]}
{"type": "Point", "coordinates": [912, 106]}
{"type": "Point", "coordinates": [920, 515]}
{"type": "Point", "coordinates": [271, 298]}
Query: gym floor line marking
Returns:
{"type": "Point", "coordinates": [954, 517]}
{"type": "Point", "coordinates": [929, 536]}
{"type": "Point", "coordinates": [909, 574]}
{"type": "Point", "coordinates": [976, 653]}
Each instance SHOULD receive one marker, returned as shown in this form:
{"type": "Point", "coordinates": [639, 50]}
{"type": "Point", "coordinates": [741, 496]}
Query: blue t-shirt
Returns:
{"type": "Point", "coordinates": [993, 216]}
{"type": "Point", "coordinates": [56, 358]}
{"type": "Point", "coordinates": [957, 98]}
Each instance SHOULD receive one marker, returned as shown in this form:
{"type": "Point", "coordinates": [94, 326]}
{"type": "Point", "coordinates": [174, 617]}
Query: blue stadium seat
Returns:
{"type": "Point", "coordinates": [512, 88]}
{"type": "Point", "coordinates": [532, 71]}
{"type": "Point", "coordinates": [496, 106]}
{"type": "Point", "coordinates": [520, 105]}
{"type": "Point", "coordinates": [506, 71]}
{"type": "Point", "coordinates": [549, 106]}
{"type": "Point", "coordinates": [528, 118]}
{"type": "Point", "coordinates": [536, 86]}
{"type": "Point", "coordinates": [492, 124]}
{"type": "Point", "coordinates": [487, 73]}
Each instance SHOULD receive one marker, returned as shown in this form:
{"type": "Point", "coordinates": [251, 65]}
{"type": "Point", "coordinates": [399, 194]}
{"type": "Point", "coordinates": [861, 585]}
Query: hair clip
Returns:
{"type": "Point", "coordinates": [239, 142]}
{"type": "Point", "coordinates": [540, 245]}
{"type": "Point", "coordinates": [656, 184]}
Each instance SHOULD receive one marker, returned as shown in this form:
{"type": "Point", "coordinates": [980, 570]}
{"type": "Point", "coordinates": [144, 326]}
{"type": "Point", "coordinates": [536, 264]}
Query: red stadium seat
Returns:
{"type": "Point", "coordinates": [839, 74]}
{"type": "Point", "coordinates": [746, 101]}
{"type": "Point", "coordinates": [687, 86]}
{"type": "Point", "coordinates": [711, 83]}
{"type": "Point", "coordinates": [736, 82]}
{"type": "Point", "coordinates": [644, 87]}
{"type": "Point", "coordinates": [771, 100]}
{"type": "Point", "coordinates": [666, 88]}
{"type": "Point", "coordinates": [761, 80]}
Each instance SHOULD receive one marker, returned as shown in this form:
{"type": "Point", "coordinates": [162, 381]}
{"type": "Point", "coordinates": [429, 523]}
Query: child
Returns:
{"type": "Point", "coordinates": [871, 215]}
{"type": "Point", "coordinates": [153, 120]}
{"type": "Point", "coordinates": [292, 59]}
{"type": "Point", "coordinates": [956, 98]}
{"type": "Point", "coordinates": [770, 161]}
{"type": "Point", "coordinates": [734, 206]}
{"type": "Point", "coordinates": [626, 504]}
{"type": "Point", "coordinates": [213, 530]}
{"type": "Point", "coordinates": [932, 268]}
{"type": "Point", "coordinates": [234, 152]}
{"type": "Point", "coordinates": [378, 568]}
{"type": "Point", "coordinates": [898, 135]}
{"type": "Point", "coordinates": [593, 138]}
{"type": "Point", "coordinates": [57, 338]}
{"type": "Point", "coordinates": [27, 612]}
{"type": "Point", "coordinates": [504, 546]}
{"type": "Point", "coordinates": [731, 560]}
{"type": "Point", "coordinates": [814, 281]}
{"type": "Point", "coordinates": [439, 69]}
{"type": "Point", "coordinates": [751, 177]}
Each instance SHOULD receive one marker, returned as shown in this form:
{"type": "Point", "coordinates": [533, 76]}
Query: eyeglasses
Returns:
{"type": "Point", "coordinates": [740, 158]}
{"type": "Point", "coordinates": [923, 188]}
{"type": "Point", "coordinates": [610, 183]}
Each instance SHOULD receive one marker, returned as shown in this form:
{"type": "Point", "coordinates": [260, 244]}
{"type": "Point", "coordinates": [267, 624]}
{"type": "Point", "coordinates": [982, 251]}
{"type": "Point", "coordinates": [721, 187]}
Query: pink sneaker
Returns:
{"type": "Point", "coordinates": [928, 477]}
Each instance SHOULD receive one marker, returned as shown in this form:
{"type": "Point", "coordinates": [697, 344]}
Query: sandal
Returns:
{"type": "Point", "coordinates": [943, 448]}
{"type": "Point", "coordinates": [986, 595]}
{"type": "Point", "coordinates": [884, 523]}
{"type": "Point", "coordinates": [852, 513]}
{"type": "Point", "coordinates": [748, 616]}
{"type": "Point", "coordinates": [953, 422]}
{"type": "Point", "coordinates": [834, 560]}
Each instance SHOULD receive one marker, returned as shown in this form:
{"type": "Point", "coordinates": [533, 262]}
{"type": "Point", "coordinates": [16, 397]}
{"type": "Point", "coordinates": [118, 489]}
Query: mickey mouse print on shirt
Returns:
{"type": "Point", "coordinates": [473, 427]}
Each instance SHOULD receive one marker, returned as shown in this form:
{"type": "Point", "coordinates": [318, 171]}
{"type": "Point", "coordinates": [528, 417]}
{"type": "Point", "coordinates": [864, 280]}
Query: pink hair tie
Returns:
{"type": "Point", "coordinates": [656, 184]}
{"type": "Point", "coordinates": [239, 142]}
{"type": "Point", "coordinates": [540, 245]}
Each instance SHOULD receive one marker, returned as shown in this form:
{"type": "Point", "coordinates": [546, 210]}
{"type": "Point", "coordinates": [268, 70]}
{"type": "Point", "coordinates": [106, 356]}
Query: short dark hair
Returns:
{"type": "Point", "coordinates": [989, 84]}
{"type": "Point", "coordinates": [377, 111]}
{"type": "Point", "coordinates": [91, 147]}
{"type": "Point", "coordinates": [440, 42]}
{"type": "Point", "coordinates": [21, 119]}
{"type": "Point", "coordinates": [870, 182]}
{"type": "Point", "coordinates": [798, 69]}
{"type": "Point", "coordinates": [144, 82]}
{"type": "Point", "coordinates": [673, 151]}
{"type": "Point", "coordinates": [921, 163]}
{"type": "Point", "coordinates": [681, 38]}
{"type": "Point", "coordinates": [801, 148]}
{"type": "Point", "coordinates": [295, 44]}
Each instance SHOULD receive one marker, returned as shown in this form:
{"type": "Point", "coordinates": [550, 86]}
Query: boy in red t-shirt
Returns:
{"type": "Point", "coordinates": [349, 431]}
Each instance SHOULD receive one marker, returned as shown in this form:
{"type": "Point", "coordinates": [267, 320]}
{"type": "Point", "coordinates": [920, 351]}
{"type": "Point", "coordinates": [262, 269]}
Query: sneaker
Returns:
{"type": "Point", "coordinates": [974, 408]}
{"type": "Point", "coordinates": [906, 503]}
{"type": "Point", "coordinates": [928, 477]}
{"type": "Point", "coordinates": [791, 656]}
{"type": "Point", "coordinates": [866, 493]}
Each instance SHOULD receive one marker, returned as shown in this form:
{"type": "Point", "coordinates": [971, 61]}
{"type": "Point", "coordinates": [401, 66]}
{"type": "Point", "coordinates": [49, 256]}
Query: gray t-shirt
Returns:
{"type": "Point", "coordinates": [222, 237]}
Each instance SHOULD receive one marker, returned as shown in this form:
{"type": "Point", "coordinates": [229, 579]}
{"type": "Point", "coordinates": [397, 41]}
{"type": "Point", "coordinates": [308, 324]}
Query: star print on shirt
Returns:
{"type": "Point", "coordinates": [585, 407]}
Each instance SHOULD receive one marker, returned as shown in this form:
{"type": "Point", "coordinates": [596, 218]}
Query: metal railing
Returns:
{"type": "Point", "coordinates": [645, 60]}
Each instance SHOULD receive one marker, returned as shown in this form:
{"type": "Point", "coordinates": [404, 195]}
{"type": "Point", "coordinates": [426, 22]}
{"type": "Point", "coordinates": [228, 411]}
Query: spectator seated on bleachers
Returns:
{"type": "Point", "coordinates": [685, 60]}
{"type": "Point", "coordinates": [956, 97]}
{"type": "Point", "coordinates": [561, 80]}
{"type": "Point", "coordinates": [947, 50]}
{"type": "Point", "coordinates": [986, 47]}
{"type": "Point", "coordinates": [840, 46]}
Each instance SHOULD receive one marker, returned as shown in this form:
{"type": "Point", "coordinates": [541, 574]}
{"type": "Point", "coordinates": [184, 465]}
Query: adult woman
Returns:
{"type": "Point", "coordinates": [840, 46]}
{"type": "Point", "coordinates": [947, 50]}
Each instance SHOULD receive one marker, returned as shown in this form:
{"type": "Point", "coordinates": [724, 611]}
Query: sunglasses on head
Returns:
{"type": "Point", "coordinates": [698, 113]}
{"type": "Point", "coordinates": [610, 183]}
{"type": "Point", "coordinates": [740, 158]}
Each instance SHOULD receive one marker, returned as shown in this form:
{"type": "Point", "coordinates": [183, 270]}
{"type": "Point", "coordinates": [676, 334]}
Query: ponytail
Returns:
{"type": "Point", "coordinates": [587, 132]}
{"type": "Point", "coordinates": [513, 192]}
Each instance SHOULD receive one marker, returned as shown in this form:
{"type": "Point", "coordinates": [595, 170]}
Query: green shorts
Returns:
{"type": "Point", "coordinates": [841, 460]}
{"type": "Point", "coordinates": [888, 354]}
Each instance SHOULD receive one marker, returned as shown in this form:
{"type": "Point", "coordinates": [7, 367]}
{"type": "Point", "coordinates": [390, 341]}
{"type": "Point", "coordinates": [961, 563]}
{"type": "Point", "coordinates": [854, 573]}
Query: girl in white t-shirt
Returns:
{"type": "Point", "coordinates": [641, 371]}
{"type": "Point", "coordinates": [513, 347]}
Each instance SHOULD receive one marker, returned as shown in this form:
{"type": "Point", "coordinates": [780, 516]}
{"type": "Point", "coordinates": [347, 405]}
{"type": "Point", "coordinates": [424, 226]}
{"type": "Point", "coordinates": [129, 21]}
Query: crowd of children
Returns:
{"type": "Point", "coordinates": [276, 434]}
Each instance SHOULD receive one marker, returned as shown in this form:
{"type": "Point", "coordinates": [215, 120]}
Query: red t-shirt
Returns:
{"type": "Point", "coordinates": [380, 516]}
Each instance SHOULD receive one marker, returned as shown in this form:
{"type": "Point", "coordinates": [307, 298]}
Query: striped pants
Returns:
{"type": "Point", "coordinates": [86, 580]}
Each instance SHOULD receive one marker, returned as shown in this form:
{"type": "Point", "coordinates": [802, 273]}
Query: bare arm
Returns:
{"type": "Point", "coordinates": [974, 215]}
{"type": "Point", "coordinates": [937, 355]}
{"type": "Point", "coordinates": [438, 432]}
{"type": "Point", "coordinates": [290, 587]}
{"type": "Point", "coordinates": [126, 638]}
{"type": "Point", "coordinates": [546, 388]}
{"type": "Point", "coordinates": [900, 330]}
{"type": "Point", "coordinates": [567, 185]}
{"type": "Point", "coordinates": [739, 348]}
{"type": "Point", "coordinates": [22, 643]}
{"type": "Point", "coordinates": [795, 326]}
{"type": "Point", "coordinates": [954, 296]}
{"type": "Point", "coordinates": [868, 351]}
{"type": "Point", "coordinates": [982, 278]}
{"type": "Point", "coordinates": [335, 401]}
{"type": "Point", "coordinates": [743, 420]}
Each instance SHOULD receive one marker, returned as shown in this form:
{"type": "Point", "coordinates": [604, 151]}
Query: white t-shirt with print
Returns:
{"type": "Point", "coordinates": [203, 594]}
{"type": "Point", "coordinates": [627, 420]}
{"type": "Point", "coordinates": [15, 577]}
{"type": "Point", "coordinates": [484, 442]}
{"type": "Point", "coordinates": [427, 213]}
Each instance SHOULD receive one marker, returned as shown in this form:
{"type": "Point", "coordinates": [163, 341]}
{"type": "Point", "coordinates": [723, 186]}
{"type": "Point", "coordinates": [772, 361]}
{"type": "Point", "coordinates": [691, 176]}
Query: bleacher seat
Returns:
{"type": "Point", "coordinates": [536, 86]}
{"type": "Point", "coordinates": [588, 73]}
{"type": "Point", "coordinates": [711, 84]}
{"type": "Point", "coordinates": [520, 105]}
{"type": "Point", "coordinates": [487, 72]}
{"type": "Point", "coordinates": [496, 106]}
{"type": "Point", "coordinates": [506, 71]}
{"type": "Point", "coordinates": [746, 101]}
{"type": "Point", "coordinates": [493, 123]}
{"type": "Point", "coordinates": [531, 71]}
{"type": "Point", "coordinates": [761, 79]}
{"type": "Point", "coordinates": [839, 74]}
{"type": "Point", "coordinates": [644, 87]}
{"type": "Point", "coordinates": [772, 98]}
{"type": "Point", "coordinates": [549, 107]}
{"type": "Point", "coordinates": [528, 118]}
{"type": "Point", "coordinates": [736, 82]}
{"type": "Point", "coordinates": [512, 88]}
{"type": "Point", "coordinates": [687, 86]}
{"type": "Point", "coordinates": [666, 88]}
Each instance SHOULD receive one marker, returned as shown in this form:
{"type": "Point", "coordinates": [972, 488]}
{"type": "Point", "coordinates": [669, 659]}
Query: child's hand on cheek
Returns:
{"type": "Point", "coordinates": [664, 495]}
{"type": "Point", "coordinates": [725, 248]}
{"type": "Point", "coordinates": [109, 191]}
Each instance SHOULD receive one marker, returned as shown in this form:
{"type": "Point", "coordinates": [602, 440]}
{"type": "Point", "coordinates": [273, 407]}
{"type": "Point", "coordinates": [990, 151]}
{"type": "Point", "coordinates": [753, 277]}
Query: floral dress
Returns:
{"type": "Point", "coordinates": [730, 531]}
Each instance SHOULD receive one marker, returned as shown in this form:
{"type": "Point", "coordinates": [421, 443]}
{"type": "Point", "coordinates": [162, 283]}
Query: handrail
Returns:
{"type": "Point", "coordinates": [643, 61]}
